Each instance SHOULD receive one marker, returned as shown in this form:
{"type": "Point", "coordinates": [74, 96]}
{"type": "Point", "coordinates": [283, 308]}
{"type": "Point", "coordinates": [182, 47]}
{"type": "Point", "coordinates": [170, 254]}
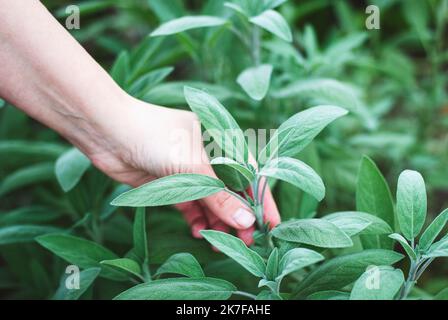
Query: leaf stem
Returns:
{"type": "Point", "coordinates": [245, 294]}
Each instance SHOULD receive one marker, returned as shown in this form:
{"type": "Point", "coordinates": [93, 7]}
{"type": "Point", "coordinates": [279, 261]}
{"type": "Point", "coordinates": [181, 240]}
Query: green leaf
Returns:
{"type": "Point", "coordinates": [23, 233]}
{"type": "Point", "coordinates": [81, 252]}
{"type": "Point", "coordinates": [129, 266]}
{"type": "Point", "coordinates": [182, 263]}
{"type": "Point", "coordinates": [329, 295]}
{"type": "Point", "coordinates": [296, 259]}
{"type": "Point", "coordinates": [245, 172]}
{"type": "Point", "coordinates": [86, 279]}
{"type": "Point", "coordinates": [268, 295]}
{"type": "Point", "coordinates": [411, 203]}
{"type": "Point", "coordinates": [139, 235]}
{"type": "Point", "coordinates": [29, 215]}
{"type": "Point", "coordinates": [315, 232]}
{"type": "Point", "coordinates": [296, 173]}
{"type": "Point", "coordinates": [356, 220]}
{"type": "Point", "coordinates": [255, 81]}
{"type": "Point", "coordinates": [272, 266]}
{"type": "Point", "coordinates": [180, 289]}
{"type": "Point", "coordinates": [350, 225]}
{"type": "Point", "coordinates": [442, 295]}
{"type": "Point", "coordinates": [343, 270]}
{"type": "Point", "coordinates": [404, 243]}
{"type": "Point", "coordinates": [219, 124]}
{"type": "Point", "coordinates": [378, 283]}
{"type": "Point", "coordinates": [187, 23]}
{"type": "Point", "coordinates": [433, 231]}
{"type": "Point", "coordinates": [299, 130]}
{"type": "Point", "coordinates": [273, 22]}
{"type": "Point", "coordinates": [237, 250]}
{"type": "Point", "coordinates": [438, 249]}
{"type": "Point", "coordinates": [2, 103]}
{"type": "Point", "coordinates": [70, 167]}
{"type": "Point", "coordinates": [373, 196]}
{"type": "Point", "coordinates": [147, 81]}
{"type": "Point", "coordinates": [37, 173]}
{"type": "Point", "coordinates": [121, 69]}
{"type": "Point", "coordinates": [19, 151]}
{"type": "Point", "coordinates": [170, 190]}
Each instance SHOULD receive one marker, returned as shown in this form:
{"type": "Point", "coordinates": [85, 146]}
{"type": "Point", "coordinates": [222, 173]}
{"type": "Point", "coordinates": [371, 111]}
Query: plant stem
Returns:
{"type": "Point", "coordinates": [410, 280]}
{"type": "Point", "coordinates": [256, 45]}
{"type": "Point", "coordinates": [245, 294]}
{"type": "Point", "coordinates": [423, 268]}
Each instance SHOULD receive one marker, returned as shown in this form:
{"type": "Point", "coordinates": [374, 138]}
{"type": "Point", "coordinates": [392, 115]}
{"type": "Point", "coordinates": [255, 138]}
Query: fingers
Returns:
{"type": "Point", "coordinates": [247, 235]}
{"type": "Point", "coordinates": [271, 214]}
{"type": "Point", "coordinates": [195, 217]}
{"type": "Point", "coordinates": [214, 222]}
{"type": "Point", "coordinates": [230, 210]}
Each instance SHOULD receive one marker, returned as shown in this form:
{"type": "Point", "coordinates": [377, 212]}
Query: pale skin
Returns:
{"type": "Point", "coordinates": [46, 73]}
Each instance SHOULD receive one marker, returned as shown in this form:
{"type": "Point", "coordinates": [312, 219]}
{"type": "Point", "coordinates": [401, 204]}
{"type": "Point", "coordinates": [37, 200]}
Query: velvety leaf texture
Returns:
{"type": "Point", "coordinates": [343, 270]}
{"type": "Point", "coordinates": [315, 232]}
{"type": "Point", "coordinates": [297, 173]}
{"type": "Point", "coordinates": [255, 81]}
{"type": "Point", "coordinates": [182, 263]}
{"type": "Point", "coordinates": [187, 23]}
{"type": "Point", "coordinates": [170, 190]}
{"type": "Point", "coordinates": [378, 283]}
{"type": "Point", "coordinates": [273, 22]}
{"type": "Point", "coordinates": [180, 289]}
{"type": "Point", "coordinates": [219, 123]}
{"type": "Point", "coordinates": [411, 203]}
{"type": "Point", "coordinates": [237, 250]}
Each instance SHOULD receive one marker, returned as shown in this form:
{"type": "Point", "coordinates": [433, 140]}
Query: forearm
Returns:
{"type": "Point", "coordinates": [47, 74]}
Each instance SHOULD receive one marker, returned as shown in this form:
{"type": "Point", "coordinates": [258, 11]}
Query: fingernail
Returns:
{"type": "Point", "coordinates": [244, 218]}
{"type": "Point", "coordinates": [195, 230]}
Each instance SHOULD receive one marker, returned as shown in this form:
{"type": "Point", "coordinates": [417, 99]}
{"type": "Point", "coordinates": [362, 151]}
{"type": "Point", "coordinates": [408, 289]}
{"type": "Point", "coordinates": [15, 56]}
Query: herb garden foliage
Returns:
{"type": "Point", "coordinates": [56, 209]}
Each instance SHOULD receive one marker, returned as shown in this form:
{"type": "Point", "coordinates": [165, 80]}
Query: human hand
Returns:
{"type": "Point", "coordinates": [149, 142]}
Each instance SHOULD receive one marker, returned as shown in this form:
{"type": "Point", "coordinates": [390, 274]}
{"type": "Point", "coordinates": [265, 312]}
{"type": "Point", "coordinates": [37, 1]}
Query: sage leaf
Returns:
{"type": "Point", "coordinates": [23, 233]}
{"type": "Point", "coordinates": [296, 173]}
{"type": "Point", "coordinates": [433, 231]}
{"type": "Point", "coordinates": [373, 196]}
{"type": "Point", "coordinates": [187, 23]}
{"type": "Point", "coordinates": [343, 270]}
{"type": "Point", "coordinates": [273, 22]}
{"type": "Point", "coordinates": [296, 259]}
{"type": "Point", "coordinates": [315, 232]}
{"type": "Point", "coordinates": [81, 252]}
{"type": "Point", "coordinates": [442, 295]}
{"type": "Point", "coordinates": [404, 243]}
{"type": "Point", "coordinates": [126, 265]}
{"type": "Point", "coordinates": [140, 238]}
{"type": "Point", "coordinates": [121, 69]}
{"type": "Point", "coordinates": [438, 249]}
{"type": "Point", "coordinates": [86, 279]}
{"type": "Point", "coordinates": [219, 124]}
{"type": "Point", "coordinates": [299, 130]}
{"type": "Point", "coordinates": [272, 265]}
{"type": "Point", "coordinates": [181, 263]}
{"type": "Point", "coordinates": [170, 190]}
{"type": "Point", "coordinates": [237, 250]}
{"type": "Point", "coordinates": [255, 81]}
{"type": "Point", "coordinates": [411, 203]}
{"type": "Point", "coordinates": [375, 226]}
{"type": "Point", "coordinates": [245, 172]}
{"type": "Point", "coordinates": [180, 289]}
{"type": "Point", "coordinates": [389, 280]}
{"type": "Point", "coordinates": [70, 167]}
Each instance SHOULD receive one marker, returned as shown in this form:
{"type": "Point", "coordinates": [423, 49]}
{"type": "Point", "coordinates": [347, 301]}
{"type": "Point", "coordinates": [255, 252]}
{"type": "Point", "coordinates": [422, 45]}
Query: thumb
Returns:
{"type": "Point", "coordinates": [230, 210]}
